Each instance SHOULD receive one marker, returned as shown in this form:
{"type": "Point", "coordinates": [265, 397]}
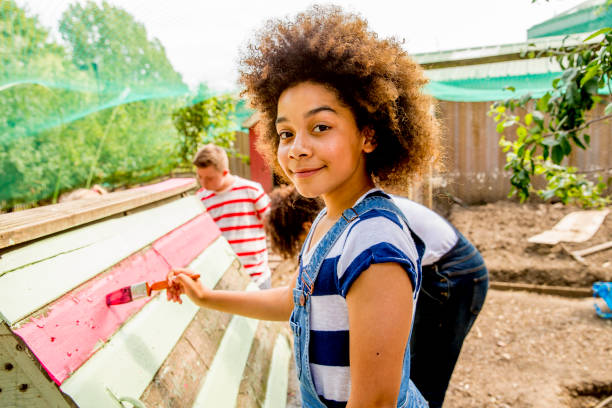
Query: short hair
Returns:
{"type": "Point", "coordinates": [285, 221]}
{"type": "Point", "coordinates": [373, 77]}
{"type": "Point", "coordinates": [211, 155]}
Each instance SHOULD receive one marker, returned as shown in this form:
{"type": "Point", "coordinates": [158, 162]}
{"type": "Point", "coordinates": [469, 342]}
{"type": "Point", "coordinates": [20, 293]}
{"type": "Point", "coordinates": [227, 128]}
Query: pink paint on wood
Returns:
{"type": "Point", "coordinates": [174, 246]}
{"type": "Point", "coordinates": [169, 184]}
{"type": "Point", "coordinates": [77, 324]}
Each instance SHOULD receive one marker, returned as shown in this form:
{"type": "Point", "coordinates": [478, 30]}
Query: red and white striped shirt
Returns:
{"type": "Point", "coordinates": [239, 213]}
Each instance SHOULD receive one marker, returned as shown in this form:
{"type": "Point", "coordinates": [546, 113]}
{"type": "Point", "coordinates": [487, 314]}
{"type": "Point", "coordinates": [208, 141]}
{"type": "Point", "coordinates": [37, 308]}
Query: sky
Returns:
{"type": "Point", "coordinates": [202, 38]}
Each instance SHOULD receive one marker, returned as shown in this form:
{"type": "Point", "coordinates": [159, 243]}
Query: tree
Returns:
{"type": "Point", "coordinates": [549, 127]}
{"type": "Point", "coordinates": [208, 119]}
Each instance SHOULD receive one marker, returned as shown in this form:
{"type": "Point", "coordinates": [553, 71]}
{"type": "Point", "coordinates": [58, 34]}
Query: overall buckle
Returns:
{"type": "Point", "coordinates": [352, 218]}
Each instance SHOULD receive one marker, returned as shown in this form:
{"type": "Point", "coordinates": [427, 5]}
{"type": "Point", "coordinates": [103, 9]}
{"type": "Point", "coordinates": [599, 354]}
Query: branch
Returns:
{"type": "Point", "coordinates": [586, 125]}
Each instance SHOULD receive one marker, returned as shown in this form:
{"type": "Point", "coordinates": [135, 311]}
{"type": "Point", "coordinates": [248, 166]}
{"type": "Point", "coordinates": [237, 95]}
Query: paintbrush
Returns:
{"type": "Point", "coordinates": [137, 291]}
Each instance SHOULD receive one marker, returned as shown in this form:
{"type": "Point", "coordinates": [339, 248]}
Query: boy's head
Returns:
{"type": "Point", "coordinates": [212, 166]}
{"type": "Point", "coordinates": [373, 77]}
{"type": "Point", "coordinates": [289, 219]}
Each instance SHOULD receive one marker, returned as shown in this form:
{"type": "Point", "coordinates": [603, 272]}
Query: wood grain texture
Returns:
{"type": "Point", "coordinates": [223, 379]}
{"type": "Point", "coordinates": [178, 380]}
{"type": "Point", "coordinates": [71, 329]}
{"type": "Point", "coordinates": [253, 385]}
{"type": "Point", "coordinates": [27, 289]}
{"type": "Point", "coordinates": [130, 359]}
{"type": "Point", "coordinates": [30, 224]}
{"type": "Point", "coordinates": [25, 384]}
{"type": "Point", "coordinates": [276, 389]}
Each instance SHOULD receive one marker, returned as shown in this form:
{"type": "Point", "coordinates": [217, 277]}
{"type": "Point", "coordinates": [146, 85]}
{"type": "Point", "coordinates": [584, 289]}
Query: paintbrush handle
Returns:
{"type": "Point", "coordinates": [164, 284]}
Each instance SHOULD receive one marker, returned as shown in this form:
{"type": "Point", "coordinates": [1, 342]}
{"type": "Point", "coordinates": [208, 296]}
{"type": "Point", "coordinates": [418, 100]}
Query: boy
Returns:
{"type": "Point", "coordinates": [238, 206]}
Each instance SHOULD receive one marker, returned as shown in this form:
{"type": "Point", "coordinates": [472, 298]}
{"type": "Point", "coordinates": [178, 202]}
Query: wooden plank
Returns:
{"type": "Point", "coordinates": [30, 224]}
{"type": "Point", "coordinates": [547, 290]}
{"type": "Point", "coordinates": [276, 390]}
{"type": "Point", "coordinates": [222, 382]}
{"type": "Point", "coordinates": [27, 289]}
{"type": "Point", "coordinates": [78, 238]}
{"type": "Point", "coordinates": [69, 331]}
{"type": "Point", "coordinates": [177, 381]}
{"type": "Point", "coordinates": [252, 388]}
{"type": "Point", "coordinates": [33, 387]}
{"type": "Point", "coordinates": [128, 362]}
{"type": "Point", "coordinates": [593, 249]}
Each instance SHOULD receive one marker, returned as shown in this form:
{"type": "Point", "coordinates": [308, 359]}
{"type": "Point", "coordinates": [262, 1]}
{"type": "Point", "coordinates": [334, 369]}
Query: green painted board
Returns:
{"type": "Point", "coordinates": [222, 381]}
{"type": "Point", "coordinates": [27, 289]}
{"type": "Point", "coordinates": [128, 362]}
{"type": "Point", "coordinates": [276, 390]}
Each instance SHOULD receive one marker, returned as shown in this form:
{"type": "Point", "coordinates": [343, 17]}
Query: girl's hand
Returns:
{"type": "Point", "coordinates": [181, 281]}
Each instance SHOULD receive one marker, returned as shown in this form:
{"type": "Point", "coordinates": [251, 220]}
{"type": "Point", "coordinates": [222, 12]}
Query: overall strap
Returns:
{"type": "Point", "coordinates": [376, 200]}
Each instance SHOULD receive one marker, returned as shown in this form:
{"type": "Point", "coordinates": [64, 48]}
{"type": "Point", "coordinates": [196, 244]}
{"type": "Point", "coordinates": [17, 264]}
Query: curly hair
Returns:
{"type": "Point", "coordinates": [285, 220]}
{"type": "Point", "coordinates": [373, 77]}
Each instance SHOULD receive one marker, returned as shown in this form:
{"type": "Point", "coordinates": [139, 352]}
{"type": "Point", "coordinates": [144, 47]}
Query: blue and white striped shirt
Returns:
{"type": "Point", "coordinates": [375, 237]}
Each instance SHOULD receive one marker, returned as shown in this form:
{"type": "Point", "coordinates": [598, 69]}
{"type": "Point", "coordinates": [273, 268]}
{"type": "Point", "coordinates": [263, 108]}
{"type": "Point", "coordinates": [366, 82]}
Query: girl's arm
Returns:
{"type": "Point", "coordinates": [269, 304]}
{"type": "Point", "coordinates": [380, 315]}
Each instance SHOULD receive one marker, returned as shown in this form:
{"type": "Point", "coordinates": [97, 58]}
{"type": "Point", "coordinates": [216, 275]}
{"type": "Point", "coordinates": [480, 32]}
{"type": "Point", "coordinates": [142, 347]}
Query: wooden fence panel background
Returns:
{"type": "Point", "coordinates": [474, 163]}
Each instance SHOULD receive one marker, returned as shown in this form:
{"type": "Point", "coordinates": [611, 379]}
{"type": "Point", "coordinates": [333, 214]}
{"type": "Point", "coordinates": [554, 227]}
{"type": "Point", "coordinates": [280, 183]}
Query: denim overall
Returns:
{"type": "Point", "coordinates": [409, 396]}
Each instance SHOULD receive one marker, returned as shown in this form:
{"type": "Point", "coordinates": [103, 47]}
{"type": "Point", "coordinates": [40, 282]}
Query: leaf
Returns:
{"type": "Point", "coordinates": [521, 132]}
{"type": "Point", "coordinates": [542, 104]}
{"type": "Point", "coordinates": [608, 110]}
{"type": "Point", "coordinates": [510, 88]}
{"type": "Point", "coordinates": [557, 154]}
{"type": "Point", "coordinates": [528, 119]}
{"type": "Point", "coordinates": [500, 127]}
{"type": "Point", "coordinates": [598, 32]}
{"type": "Point", "coordinates": [587, 139]}
{"type": "Point", "coordinates": [591, 72]}
{"type": "Point", "coordinates": [550, 141]}
{"type": "Point", "coordinates": [565, 145]}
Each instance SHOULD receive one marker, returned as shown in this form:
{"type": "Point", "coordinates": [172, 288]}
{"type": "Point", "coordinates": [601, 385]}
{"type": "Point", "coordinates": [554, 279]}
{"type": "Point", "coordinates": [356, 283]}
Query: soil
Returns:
{"type": "Point", "coordinates": [500, 231]}
{"type": "Point", "coordinates": [527, 350]}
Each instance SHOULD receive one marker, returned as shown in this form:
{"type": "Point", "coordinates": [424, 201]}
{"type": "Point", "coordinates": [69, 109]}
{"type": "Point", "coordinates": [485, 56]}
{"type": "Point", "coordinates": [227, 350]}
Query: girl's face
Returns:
{"type": "Point", "coordinates": [320, 148]}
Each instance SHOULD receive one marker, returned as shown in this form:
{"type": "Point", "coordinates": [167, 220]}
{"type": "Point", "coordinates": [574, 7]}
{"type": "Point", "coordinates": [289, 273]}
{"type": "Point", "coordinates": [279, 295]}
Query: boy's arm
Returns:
{"type": "Point", "coordinates": [270, 304]}
{"type": "Point", "coordinates": [380, 315]}
{"type": "Point", "coordinates": [261, 204]}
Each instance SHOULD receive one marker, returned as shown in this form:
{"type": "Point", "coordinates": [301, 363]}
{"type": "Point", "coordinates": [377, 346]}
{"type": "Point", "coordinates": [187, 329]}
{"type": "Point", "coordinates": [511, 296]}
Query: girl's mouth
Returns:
{"type": "Point", "coordinates": [303, 173]}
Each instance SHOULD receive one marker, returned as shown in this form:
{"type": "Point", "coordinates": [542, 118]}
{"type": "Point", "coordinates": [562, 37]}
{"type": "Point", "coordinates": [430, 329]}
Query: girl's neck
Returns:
{"type": "Point", "coordinates": [344, 198]}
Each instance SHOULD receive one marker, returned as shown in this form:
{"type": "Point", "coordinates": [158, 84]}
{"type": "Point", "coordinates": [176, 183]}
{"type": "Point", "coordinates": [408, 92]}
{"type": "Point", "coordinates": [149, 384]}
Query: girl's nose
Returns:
{"type": "Point", "coordinates": [300, 147]}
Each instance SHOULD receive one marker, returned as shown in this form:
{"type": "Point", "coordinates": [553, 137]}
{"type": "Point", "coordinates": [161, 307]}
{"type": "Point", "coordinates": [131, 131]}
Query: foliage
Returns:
{"type": "Point", "coordinates": [548, 128]}
{"type": "Point", "coordinates": [95, 111]}
{"type": "Point", "coordinates": [211, 120]}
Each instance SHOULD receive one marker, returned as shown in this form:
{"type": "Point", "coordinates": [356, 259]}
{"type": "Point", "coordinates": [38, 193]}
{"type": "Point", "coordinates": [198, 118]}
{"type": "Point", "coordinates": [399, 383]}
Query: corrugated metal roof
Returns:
{"type": "Point", "coordinates": [461, 56]}
{"type": "Point", "coordinates": [495, 69]}
{"type": "Point", "coordinates": [588, 16]}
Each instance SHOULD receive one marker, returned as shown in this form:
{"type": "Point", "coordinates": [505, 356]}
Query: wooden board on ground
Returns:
{"type": "Point", "coordinates": [577, 226]}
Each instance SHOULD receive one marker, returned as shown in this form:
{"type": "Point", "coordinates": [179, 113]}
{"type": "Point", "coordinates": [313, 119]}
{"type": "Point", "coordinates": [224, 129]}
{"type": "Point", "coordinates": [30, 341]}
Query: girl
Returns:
{"type": "Point", "coordinates": [454, 283]}
{"type": "Point", "coordinates": [341, 111]}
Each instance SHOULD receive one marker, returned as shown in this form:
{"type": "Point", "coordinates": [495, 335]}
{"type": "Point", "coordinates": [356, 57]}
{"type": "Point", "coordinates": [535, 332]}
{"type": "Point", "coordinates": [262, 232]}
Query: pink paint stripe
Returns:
{"type": "Point", "coordinates": [74, 326]}
{"type": "Point", "coordinates": [187, 241]}
{"type": "Point", "coordinates": [169, 184]}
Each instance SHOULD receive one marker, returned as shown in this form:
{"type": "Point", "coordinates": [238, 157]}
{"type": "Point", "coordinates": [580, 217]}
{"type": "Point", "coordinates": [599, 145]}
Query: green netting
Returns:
{"type": "Point", "coordinates": [93, 106]}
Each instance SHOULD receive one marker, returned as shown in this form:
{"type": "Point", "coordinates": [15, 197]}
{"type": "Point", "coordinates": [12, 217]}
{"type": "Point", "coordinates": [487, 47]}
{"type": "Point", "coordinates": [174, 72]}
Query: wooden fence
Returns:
{"type": "Point", "coordinates": [474, 163]}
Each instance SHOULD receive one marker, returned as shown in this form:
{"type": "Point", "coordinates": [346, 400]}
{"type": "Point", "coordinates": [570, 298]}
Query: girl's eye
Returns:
{"type": "Point", "coordinates": [321, 128]}
{"type": "Point", "coordinates": [284, 135]}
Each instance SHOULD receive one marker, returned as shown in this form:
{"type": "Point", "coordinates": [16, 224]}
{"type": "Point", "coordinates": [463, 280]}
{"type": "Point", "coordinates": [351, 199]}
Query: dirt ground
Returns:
{"type": "Point", "coordinates": [528, 350]}
{"type": "Point", "coordinates": [500, 231]}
